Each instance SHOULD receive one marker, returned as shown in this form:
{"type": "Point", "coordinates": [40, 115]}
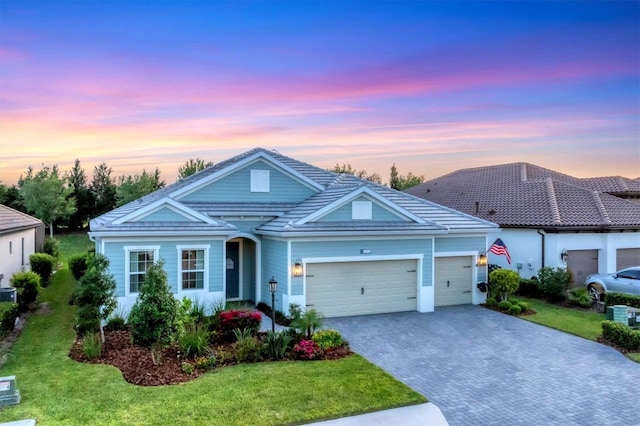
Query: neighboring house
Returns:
{"type": "Point", "coordinates": [333, 242]}
{"type": "Point", "coordinates": [542, 214]}
{"type": "Point", "coordinates": [21, 235]}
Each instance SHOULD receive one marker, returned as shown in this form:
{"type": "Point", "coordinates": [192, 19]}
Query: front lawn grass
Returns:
{"type": "Point", "coordinates": [57, 390]}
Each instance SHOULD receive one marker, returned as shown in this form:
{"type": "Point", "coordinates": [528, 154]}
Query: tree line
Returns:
{"type": "Point", "coordinates": [69, 200]}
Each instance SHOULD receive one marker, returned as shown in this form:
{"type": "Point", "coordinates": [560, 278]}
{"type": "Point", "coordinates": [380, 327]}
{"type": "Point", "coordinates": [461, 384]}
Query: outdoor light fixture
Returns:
{"type": "Point", "coordinates": [482, 260]}
{"type": "Point", "coordinates": [564, 256]}
{"type": "Point", "coordinates": [273, 287]}
{"type": "Point", "coordinates": [298, 270]}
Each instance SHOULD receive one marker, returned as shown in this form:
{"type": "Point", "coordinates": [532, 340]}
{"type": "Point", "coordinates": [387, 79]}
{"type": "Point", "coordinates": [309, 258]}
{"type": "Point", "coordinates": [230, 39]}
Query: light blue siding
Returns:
{"type": "Point", "coordinates": [343, 214]}
{"type": "Point", "coordinates": [313, 249]}
{"type": "Point", "coordinates": [467, 244]}
{"type": "Point", "coordinates": [168, 252]}
{"type": "Point", "coordinates": [164, 215]}
{"type": "Point", "coordinates": [274, 264]}
{"type": "Point", "coordinates": [237, 187]}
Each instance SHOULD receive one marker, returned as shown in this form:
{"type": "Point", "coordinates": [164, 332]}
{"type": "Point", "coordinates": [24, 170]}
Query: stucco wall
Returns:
{"type": "Point", "coordinates": [12, 256]}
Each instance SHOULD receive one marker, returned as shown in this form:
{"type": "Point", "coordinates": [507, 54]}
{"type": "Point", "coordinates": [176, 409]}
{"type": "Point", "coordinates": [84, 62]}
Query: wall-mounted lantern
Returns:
{"type": "Point", "coordinates": [482, 260]}
{"type": "Point", "coordinates": [298, 269]}
{"type": "Point", "coordinates": [564, 256]}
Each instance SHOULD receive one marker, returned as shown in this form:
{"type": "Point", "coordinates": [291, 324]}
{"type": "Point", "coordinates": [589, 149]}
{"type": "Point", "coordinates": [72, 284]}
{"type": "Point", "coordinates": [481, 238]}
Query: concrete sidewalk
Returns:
{"type": "Point", "coordinates": [422, 414]}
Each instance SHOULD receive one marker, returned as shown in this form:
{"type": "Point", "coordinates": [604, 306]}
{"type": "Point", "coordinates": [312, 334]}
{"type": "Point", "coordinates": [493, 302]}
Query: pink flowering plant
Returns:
{"type": "Point", "coordinates": [307, 350]}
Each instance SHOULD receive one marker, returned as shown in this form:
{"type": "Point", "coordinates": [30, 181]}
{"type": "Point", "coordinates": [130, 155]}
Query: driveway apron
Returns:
{"type": "Point", "coordinates": [486, 368]}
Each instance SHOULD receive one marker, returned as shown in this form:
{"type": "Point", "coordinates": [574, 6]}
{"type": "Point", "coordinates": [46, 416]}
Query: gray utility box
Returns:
{"type": "Point", "coordinates": [631, 315]}
{"type": "Point", "coordinates": [9, 394]}
{"type": "Point", "coordinates": [8, 294]}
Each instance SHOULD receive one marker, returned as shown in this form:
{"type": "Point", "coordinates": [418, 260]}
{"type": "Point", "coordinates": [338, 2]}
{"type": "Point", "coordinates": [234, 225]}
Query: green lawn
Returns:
{"type": "Point", "coordinates": [57, 390]}
{"type": "Point", "coordinates": [580, 323]}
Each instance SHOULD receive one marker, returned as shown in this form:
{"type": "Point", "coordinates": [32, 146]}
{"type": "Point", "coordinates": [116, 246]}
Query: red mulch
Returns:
{"type": "Point", "coordinates": [137, 366]}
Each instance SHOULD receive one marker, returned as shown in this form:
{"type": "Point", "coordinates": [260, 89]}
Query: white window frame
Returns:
{"type": "Point", "coordinates": [260, 181]}
{"type": "Point", "coordinates": [127, 265]}
{"type": "Point", "coordinates": [205, 275]}
{"type": "Point", "coordinates": [361, 210]}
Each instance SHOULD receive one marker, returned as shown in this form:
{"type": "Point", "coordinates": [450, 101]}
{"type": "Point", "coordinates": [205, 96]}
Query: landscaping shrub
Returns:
{"type": "Point", "coordinates": [275, 344]}
{"type": "Point", "coordinates": [621, 334]}
{"type": "Point", "coordinates": [554, 282]}
{"type": "Point", "coordinates": [247, 349]}
{"type": "Point", "coordinates": [116, 323]}
{"type": "Point", "coordinates": [92, 346]}
{"type": "Point", "coordinates": [95, 296]}
{"type": "Point", "coordinates": [503, 283]}
{"type": "Point", "coordinates": [515, 310]}
{"type": "Point", "coordinates": [187, 368]}
{"type": "Point", "coordinates": [504, 305]}
{"type": "Point", "coordinates": [194, 341]}
{"type": "Point", "coordinates": [27, 285]}
{"type": "Point", "coordinates": [237, 318]}
{"type": "Point", "coordinates": [491, 302]}
{"type": "Point", "coordinates": [614, 298]}
{"type": "Point", "coordinates": [524, 306]}
{"type": "Point", "coordinates": [307, 350]}
{"type": "Point", "coordinates": [42, 264]}
{"type": "Point", "coordinates": [529, 288]}
{"type": "Point", "coordinates": [206, 362]}
{"type": "Point", "coordinates": [307, 322]}
{"type": "Point", "coordinates": [8, 315]}
{"type": "Point", "coordinates": [579, 296]}
{"type": "Point", "coordinates": [78, 265]}
{"type": "Point", "coordinates": [328, 339]}
{"type": "Point", "coordinates": [52, 247]}
{"type": "Point", "coordinates": [154, 316]}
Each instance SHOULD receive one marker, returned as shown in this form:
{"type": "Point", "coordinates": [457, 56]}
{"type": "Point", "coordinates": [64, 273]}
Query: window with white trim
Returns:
{"type": "Point", "coordinates": [260, 181]}
{"type": "Point", "coordinates": [361, 210]}
{"type": "Point", "coordinates": [139, 260]}
{"type": "Point", "coordinates": [192, 269]}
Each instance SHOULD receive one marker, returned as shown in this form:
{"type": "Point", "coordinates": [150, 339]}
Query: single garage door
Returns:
{"type": "Point", "coordinates": [453, 280]}
{"type": "Point", "coordinates": [582, 263]}
{"type": "Point", "coordinates": [627, 257]}
{"type": "Point", "coordinates": [358, 288]}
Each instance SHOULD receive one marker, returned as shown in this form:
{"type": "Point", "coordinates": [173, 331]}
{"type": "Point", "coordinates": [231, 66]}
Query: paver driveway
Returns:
{"type": "Point", "coordinates": [482, 367]}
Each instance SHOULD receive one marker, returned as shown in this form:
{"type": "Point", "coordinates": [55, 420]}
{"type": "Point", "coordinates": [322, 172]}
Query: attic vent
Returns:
{"type": "Point", "coordinates": [492, 211]}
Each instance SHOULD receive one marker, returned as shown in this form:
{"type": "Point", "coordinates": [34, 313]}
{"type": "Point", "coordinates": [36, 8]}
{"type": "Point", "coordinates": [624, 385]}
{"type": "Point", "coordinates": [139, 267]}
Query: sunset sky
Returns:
{"type": "Point", "coordinates": [430, 86]}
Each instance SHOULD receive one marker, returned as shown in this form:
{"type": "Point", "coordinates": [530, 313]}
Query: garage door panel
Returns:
{"type": "Point", "coordinates": [582, 263]}
{"type": "Point", "coordinates": [453, 280]}
{"type": "Point", "coordinates": [626, 258]}
{"type": "Point", "coordinates": [358, 288]}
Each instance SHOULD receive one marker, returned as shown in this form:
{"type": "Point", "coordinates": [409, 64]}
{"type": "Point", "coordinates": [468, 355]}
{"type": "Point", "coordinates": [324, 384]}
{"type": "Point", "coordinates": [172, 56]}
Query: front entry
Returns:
{"type": "Point", "coordinates": [233, 270]}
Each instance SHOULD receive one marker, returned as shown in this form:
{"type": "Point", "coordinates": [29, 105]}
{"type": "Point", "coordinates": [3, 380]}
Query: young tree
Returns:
{"type": "Point", "coordinates": [503, 283]}
{"type": "Point", "coordinates": [46, 195]}
{"type": "Point", "coordinates": [95, 296]}
{"type": "Point", "coordinates": [131, 188]}
{"type": "Point", "coordinates": [10, 197]}
{"type": "Point", "coordinates": [192, 166]}
{"type": "Point", "coordinates": [82, 195]}
{"type": "Point", "coordinates": [401, 182]}
{"type": "Point", "coordinates": [103, 190]}
{"type": "Point", "coordinates": [154, 317]}
{"type": "Point", "coordinates": [363, 174]}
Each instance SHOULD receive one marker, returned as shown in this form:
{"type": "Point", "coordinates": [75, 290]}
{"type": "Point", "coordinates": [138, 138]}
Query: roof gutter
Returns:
{"type": "Point", "coordinates": [542, 234]}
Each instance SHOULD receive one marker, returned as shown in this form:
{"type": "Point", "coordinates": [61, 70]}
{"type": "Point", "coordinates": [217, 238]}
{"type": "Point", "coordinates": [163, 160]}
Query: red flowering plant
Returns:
{"type": "Point", "coordinates": [237, 318]}
{"type": "Point", "coordinates": [307, 350]}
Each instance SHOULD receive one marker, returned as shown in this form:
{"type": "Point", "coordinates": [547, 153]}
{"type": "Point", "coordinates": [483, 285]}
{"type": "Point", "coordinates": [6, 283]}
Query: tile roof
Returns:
{"type": "Point", "coordinates": [526, 195]}
{"type": "Point", "coordinates": [13, 220]}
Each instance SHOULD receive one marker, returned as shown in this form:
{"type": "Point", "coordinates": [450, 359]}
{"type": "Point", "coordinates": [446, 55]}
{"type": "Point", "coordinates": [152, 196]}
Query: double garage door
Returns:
{"type": "Point", "coordinates": [359, 288]}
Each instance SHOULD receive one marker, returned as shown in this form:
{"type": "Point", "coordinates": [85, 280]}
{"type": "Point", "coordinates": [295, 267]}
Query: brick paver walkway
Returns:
{"type": "Point", "coordinates": [485, 368]}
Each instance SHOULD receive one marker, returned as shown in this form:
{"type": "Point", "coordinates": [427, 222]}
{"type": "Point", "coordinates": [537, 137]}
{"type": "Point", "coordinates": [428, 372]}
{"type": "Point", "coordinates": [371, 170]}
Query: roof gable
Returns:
{"type": "Point", "coordinates": [164, 210]}
{"type": "Point", "coordinates": [13, 220]}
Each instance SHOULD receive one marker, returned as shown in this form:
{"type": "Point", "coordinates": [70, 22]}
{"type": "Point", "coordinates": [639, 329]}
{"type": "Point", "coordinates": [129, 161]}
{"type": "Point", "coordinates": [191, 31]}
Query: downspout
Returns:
{"type": "Point", "coordinates": [542, 234]}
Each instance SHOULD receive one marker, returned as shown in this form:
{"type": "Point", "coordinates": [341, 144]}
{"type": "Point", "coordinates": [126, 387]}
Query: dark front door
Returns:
{"type": "Point", "coordinates": [233, 270]}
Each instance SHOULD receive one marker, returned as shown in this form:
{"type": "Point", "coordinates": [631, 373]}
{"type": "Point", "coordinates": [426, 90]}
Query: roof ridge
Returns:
{"type": "Point", "coordinates": [622, 182]}
{"type": "Point", "coordinates": [555, 211]}
{"type": "Point", "coordinates": [523, 172]}
{"type": "Point", "coordinates": [601, 208]}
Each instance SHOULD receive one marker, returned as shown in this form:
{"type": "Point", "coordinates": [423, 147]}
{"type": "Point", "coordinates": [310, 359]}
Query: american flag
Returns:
{"type": "Point", "coordinates": [499, 248]}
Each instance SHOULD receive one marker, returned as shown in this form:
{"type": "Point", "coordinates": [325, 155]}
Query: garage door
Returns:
{"type": "Point", "coordinates": [358, 288]}
{"type": "Point", "coordinates": [582, 263]}
{"type": "Point", "coordinates": [627, 257]}
{"type": "Point", "coordinates": [453, 280]}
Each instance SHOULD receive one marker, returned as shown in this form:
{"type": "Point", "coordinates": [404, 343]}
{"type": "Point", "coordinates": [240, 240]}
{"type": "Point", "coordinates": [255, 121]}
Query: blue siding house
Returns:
{"type": "Point", "coordinates": [334, 242]}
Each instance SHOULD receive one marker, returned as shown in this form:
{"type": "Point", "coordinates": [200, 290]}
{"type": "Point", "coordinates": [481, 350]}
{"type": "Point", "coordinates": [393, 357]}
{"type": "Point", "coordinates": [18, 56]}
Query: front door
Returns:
{"type": "Point", "coordinates": [233, 270]}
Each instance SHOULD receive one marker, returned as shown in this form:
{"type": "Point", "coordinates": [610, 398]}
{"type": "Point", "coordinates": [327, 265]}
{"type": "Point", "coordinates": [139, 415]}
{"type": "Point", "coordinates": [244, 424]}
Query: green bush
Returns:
{"type": "Point", "coordinates": [579, 296]}
{"type": "Point", "coordinates": [529, 288]}
{"type": "Point", "coordinates": [78, 265]}
{"type": "Point", "coordinates": [491, 302]}
{"type": "Point", "coordinates": [554, 282]}
{"type": "Point", "coordinates": [515, 310]}
{"type": "Point", "coordinates": [95, 296]}
{"type": "Point", "coordinates": [8, 315]}
{"type": "Point", "coordinates": [242, 319]}
{"type": "Point", "coordinates": [614, 298]}
{"type": "Point", "coordinates": [42, 264]}
{"type": "Point", "coordinates": [307, 322]}
{"type": "Point", "coordinates": [27, 285]}
{"type": "Point", "coordinates": [194, 341]}
{"type": "Point", "coordinates": [275, 344]}
{"type": "Point", "coordinates": [247, 349]}
{"type": "Point", "coordinates": [524, 306]}
{"type": "Point", "coordinates": [116, 322]}
{"type": "Point", "coordinates": [328, 339]}
{"type": "Point", "coordinates": [504, 305]}
{"type": "Point", "coordinates": [92, 346]}
{"type": "Point", "coordinates": [206, 362]}
{"type": "Point", "coordinates": [52, 247]}
{"type": "Point", "coordinates": [621, 334]}
{"type": "Point", "coordinates": [503, 283]}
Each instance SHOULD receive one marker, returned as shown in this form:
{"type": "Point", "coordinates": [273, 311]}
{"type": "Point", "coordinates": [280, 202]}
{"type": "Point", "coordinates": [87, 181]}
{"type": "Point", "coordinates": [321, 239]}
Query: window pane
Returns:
{"type": "Point", "coordinates": [139, 262]}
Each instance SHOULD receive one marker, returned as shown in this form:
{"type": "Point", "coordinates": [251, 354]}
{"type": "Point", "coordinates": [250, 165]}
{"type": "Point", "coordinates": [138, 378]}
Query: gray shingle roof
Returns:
{"type": "Point", "coordinates": [525, 195]}
{"type": "Point", "coordinates": [12, 220]}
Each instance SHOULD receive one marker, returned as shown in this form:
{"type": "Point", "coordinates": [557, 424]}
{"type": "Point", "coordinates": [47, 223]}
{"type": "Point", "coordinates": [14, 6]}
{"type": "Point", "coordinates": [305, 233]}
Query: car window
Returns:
{"type": "Point", "coordinates": [630, 273]}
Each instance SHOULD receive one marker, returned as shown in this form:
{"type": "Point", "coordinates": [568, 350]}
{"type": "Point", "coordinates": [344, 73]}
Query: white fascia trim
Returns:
{"type": "Point", "coordinates": [182, 192]}
{"type": "Point", "coordinates": [127, 266]}
{"type": "Point", "coordinates": [417, 256]}
{"type": "Point", "coordinates": [302, 234]}
{"type": "Point", "coordinates": [379, 199]}
{"type": "Point", "coordinates": [181, 209]}
{"type": "Point", "coordinates": [205, 284]}
{"type": "Point", "coordinates": [160, 234]}
{"type": "Point", "coordinates": [457, 253]}
{"type": "Point", "coordinates": [384, 238]}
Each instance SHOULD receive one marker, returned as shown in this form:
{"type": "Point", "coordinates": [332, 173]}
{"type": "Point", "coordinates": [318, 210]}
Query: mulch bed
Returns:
{"type": "Point", "coordinates": [137, 366]}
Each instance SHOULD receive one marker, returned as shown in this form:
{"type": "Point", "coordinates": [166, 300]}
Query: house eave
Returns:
{"type": "Point", "coordinates": [287, 234]}
{"type": "Point", "coordinates": [102, 234]}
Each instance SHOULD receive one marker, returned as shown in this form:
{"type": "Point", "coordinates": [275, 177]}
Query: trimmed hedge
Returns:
{"type": "Point", "coordinates": [237, 318]}
{"type": "Point", "coordinates": [42, 264]}
{"type": "Point", "coordinates": [27, 286]}
{"type": "Point", "coordinates": [78, 265]}
{"type": "Point", "coordinates": [529, 288]}
{"type": "Point", "coordinates": [8, 315]}
{"type": "Point", "coordinates": [614, 298]}
{"type": "Point", "coordinates": [52, 247]}
{"type": "Point", "coordinates": [621, 334]}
